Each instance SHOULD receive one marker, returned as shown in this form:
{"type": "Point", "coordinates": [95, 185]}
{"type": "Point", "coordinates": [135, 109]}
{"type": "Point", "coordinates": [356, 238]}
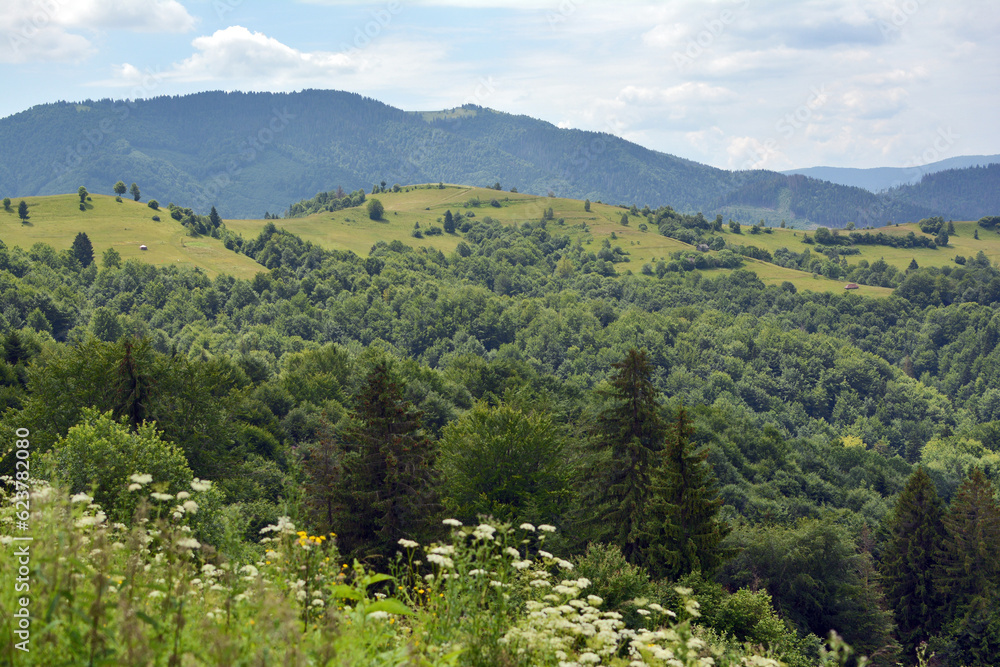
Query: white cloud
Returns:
{"type": "Point", "coordinates": [137, 15]}
{"type": "Point", "coordinates": [238, 54]}
{"type": "Point", "coordinates": [49, 31]}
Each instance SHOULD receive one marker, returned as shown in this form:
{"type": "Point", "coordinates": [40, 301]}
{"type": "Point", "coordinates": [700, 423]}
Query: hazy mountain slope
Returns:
{"type": "Point", "coordinates": [248, 153]}
{"type": "Point", "coordinates": [878, 179]}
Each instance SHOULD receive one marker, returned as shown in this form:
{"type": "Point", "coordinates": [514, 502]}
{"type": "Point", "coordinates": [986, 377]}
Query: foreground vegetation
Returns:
{"type": "Point", "coordinates": [815, 445]}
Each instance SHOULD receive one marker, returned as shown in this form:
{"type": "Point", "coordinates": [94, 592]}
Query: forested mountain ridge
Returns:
{"type": "Point", "coordinates": [248, 153]}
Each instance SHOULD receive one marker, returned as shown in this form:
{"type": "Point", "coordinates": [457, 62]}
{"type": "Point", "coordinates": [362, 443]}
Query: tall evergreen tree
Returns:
{"type": "Point", "coordinates": [388, 480]}
{"type": "Point", "coordinates": [449, 222]}
{"type": "Point", "coordinates": [628, 436]}
{"type": "Point", "coordinates": [969, 558]}
{"type": "Point", "coordinates": [683, 529]}
{"type": "Point", "coordinates": [22, 211]}
{"type": "Point", "coordinates": [83, 250]}
{"type": "Point", "coordinates": [215, 218]}
{"type": "Point", "coordinates": [916, 530]}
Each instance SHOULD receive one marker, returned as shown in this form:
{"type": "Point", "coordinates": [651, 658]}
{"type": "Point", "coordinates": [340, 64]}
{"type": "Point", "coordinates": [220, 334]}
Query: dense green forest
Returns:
{"type": "Point", "coordinates": [775, 461]}
{"type": "Point", "coordinates": [251, 153]}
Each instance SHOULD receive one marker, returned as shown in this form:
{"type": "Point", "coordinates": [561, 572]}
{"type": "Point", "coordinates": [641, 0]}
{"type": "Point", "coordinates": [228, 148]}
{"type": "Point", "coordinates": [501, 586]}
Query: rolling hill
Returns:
{"type": "Point", "coordinates": [126, 225]}
{"type": "Point", "coordinates": [251, 153]}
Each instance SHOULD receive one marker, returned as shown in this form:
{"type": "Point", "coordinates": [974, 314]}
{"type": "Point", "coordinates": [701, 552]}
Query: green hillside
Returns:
{"type": "Point", "coordinates": [124, 226]}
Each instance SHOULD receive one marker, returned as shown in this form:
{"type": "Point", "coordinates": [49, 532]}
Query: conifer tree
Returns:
{"type": "Point", "coordinates": [683, 530]}
{"type": "Point", "coordinates": [969, 557]}
{"type": "Point", "coordinates": [388, 480]}
{"type": "Point", "coordinates": [628, 436]}
{"type": "Point", "coordinates": [449, 222]}
{"type": "Point", "coordinates": [83, 250]}
{"type": "Point", "coordinates": [215, 218]}
{"type": "Point", "coordinates": [908, 564]}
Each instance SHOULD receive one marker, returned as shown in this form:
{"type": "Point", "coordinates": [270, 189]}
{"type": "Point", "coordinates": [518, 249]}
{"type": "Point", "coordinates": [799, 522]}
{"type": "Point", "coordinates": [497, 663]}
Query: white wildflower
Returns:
{"type": "Point", "coordinates": [595, 600]}
{"type": "Point", "coordinates": [141, 478]}
{"type": "Point", "coordinates": [565, 564]}
{"type": "Point", "coordinates": [204, 485]}
{"type": "Point", "coordinates": [378, 614]}
{"type": "Point", "coordinates": [544, 554]}
{"type": "Point", "coordinates": [455, 523]}
{"type": "Point", "coordinates": [511, 551]}
{"type": "Point", "coordinates": [134, 487]}
{"type": "Point", "coordinates": [547, 528]}
{"type": "Point", "coordinates": [190, 506]}
{"type": "Point", "coordinates": [188, 543]}
{"type": "Point", "coordinates": [81, 498]}
{"type": "Point", "coordinates": [408, 544]}
{"type": "Point", "coordinates": [527, 526]}
{"type": "Point", "coordinates": [484, 531]}
{"type": "Point", "coordinates": [161, 496]}
{"type": "Point", "coordinates": [443, 561]}
{"type": "Point", "coordinates": [521, 564]}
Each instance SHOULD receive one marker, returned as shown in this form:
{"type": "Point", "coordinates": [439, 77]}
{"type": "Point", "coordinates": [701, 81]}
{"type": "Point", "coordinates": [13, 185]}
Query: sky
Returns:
{"type": "Point", "coordinates": [736, 84]}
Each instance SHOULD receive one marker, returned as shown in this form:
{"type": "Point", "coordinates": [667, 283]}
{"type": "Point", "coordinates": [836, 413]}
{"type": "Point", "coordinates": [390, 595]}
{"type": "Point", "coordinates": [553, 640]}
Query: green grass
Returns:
{"type": "Point", "coordinates": [962, 243]}
{"type": "Point", "coordinates": [125, 226]}
{"type": "Point", "coordinates": [57, 219]}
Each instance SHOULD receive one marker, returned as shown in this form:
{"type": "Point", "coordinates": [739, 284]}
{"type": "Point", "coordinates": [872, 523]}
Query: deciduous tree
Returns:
{"type": "Point", "coordinates": [120, 188]}
{"type": "Point", "coordinates": [135, 192]}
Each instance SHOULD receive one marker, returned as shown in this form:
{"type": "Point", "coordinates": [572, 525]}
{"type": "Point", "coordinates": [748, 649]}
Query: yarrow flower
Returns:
{"type": "Point", "coordinates": [188, 543]}
{"type": "Point", "coordinates": [527, 526]}
{"type": "Point", "coordinates": [484, 531]}
{"type": "Point", "coordinates": [547, 528]}
{"type": "Point", "coordinates": [455, 523]}
{"type": "Point", "coordinates": [200, 485]}
{"type": "Point", "coordinates": [161, 496]}
{"type": "Point", "coordinates": [141, 478]}
{"type": "Point", "coordinates": [81, 498]}
{"type": "Point", "coordinates": [409, 544]}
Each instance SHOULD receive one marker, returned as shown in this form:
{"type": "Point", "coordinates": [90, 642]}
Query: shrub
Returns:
{"type": "Point", "coordinates": [99, 455]}
{"type": "Point", "coordinates": [375, 209]}
{"type": "Point", "coordinates": [153, 204]}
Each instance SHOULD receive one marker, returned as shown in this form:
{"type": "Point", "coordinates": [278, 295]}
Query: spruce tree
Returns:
{"type": "Point", "coordinates": [215, 218]}
{"type": "Point", "coordinates": [83, 250]}
{"type": "Point", "coordinates": [388, 480]}
{"type": "Point", "coordinates": [449, 222]}
{"type": "Point", "coordinates": [628, 436]}
{"type": "Point", "coordinates": [908, 567]}
{"type": "Point", "coordinates": [969, 557]}
{"type": "Point", "coordinates": [683, 529]}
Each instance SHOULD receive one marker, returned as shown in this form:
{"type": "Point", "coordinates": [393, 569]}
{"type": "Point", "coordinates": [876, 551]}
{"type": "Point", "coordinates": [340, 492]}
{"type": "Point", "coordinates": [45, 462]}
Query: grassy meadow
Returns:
{"type": "Point", "coordinates": [125, 225]}
{"type": "Point", "coordinates": [56, 220]}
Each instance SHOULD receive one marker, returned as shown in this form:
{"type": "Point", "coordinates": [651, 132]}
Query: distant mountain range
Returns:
{"type": "Point", "coordinates": [878, 179]}
{"type": "Point", "coordinates": [251, 153]}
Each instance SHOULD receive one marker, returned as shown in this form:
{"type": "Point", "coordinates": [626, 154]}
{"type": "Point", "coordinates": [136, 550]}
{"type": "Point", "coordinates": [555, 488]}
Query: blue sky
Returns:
{"type": "Point", "coordinates": [734, 83]}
